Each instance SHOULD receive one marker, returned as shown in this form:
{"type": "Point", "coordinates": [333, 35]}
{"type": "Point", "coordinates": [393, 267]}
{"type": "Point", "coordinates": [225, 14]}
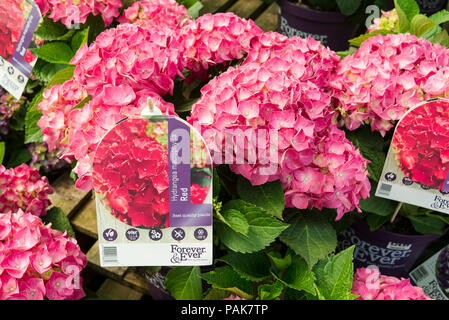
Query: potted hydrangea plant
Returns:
{"type": "Point", "coordinates": [391, 235]}
{"type": "Point", "coordinates": [331, 22]}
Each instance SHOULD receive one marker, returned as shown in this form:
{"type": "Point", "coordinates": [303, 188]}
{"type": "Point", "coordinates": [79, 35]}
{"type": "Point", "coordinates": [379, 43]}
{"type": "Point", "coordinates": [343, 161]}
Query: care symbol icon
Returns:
{"type": "Point", "coordinates": [110, 234]}
{"type": "Point", "coordinates": [200, 234]}
{"type": "Point", "coordinates": [155, 234]}
{"type": "Point", "coordinates": [178, 234]}
{"type": "Point", "coordinates": [390, 176]}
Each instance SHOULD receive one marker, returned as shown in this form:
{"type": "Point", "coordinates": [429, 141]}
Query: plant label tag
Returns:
{"type": "Point", "coordinates": [152, 178]}
{"type": "Point", "coordinates": [433, 275]}
{"type": "Point", "coordinates": [416, 170]}
{"type": "Point", "coordinates": [19, 20]}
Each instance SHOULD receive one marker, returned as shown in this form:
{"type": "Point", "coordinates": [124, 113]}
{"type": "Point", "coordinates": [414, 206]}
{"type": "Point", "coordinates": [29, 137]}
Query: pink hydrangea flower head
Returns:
{"type": "Point", "coordinates": [388, 21]}
{"type": "Point", "coordinates": [333, 174]}
{"type": "Point", "coordinates": [37, 262]}
{"type": "Point", "coordinates": [369, 284]}
{"type": "Point", "coordinates": [132, 57]}
{"type": "Point", "coordinates": [386, 77]}
{"type": "Point", "coordinates": [76, 11]}
{"type": "Point", "coordinates": [215, 39]}
{"type": "Point", "coordinates": [284, 92]}
{"type": "Point", "coordinates": [56, 105]}
{"type": "Point", "coordinates": [309, 59]}
{"type": "Point", "coordinates": [149, 13]}
{"type": "Point", "coordinates": [23, 188]}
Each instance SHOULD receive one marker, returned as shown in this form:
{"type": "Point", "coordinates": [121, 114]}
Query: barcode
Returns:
{"type": "Point", "coordinates": [110, 254]}
{"type": "Point", "coordinates": [419, 274]}
{"type": "Point", "coordinates": [385, 189]}
{"type": "Point", "coordinates": [433, 291]}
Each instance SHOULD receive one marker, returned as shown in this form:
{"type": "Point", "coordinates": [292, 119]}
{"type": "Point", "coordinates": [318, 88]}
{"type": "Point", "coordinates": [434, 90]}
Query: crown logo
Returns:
{"type": "Point", "coordinates": [398, 246]}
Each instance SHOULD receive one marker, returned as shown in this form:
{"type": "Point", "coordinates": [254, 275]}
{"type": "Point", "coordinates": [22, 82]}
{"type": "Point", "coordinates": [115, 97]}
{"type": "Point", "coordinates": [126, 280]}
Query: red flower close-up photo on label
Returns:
{"type": "Point", "coordinates": [421, 144]}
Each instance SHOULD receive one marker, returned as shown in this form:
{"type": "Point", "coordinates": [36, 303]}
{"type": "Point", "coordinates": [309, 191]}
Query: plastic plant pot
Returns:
{"type": "Point", "coordinates": [330, 28]}
{"type": "Point", "coordinates": [430, 7]}
{"type": "Point", "coordinates": [394, 254]}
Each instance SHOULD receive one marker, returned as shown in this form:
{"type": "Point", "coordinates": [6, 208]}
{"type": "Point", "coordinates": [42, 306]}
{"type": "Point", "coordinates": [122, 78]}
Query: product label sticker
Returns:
{"type": "Point", "coordinates": [433, 275]}
{"type": "Point", "coordinates": [19, 19]}
{"type": "Point", "coordinates": [152, 178]}
{"type": "Point", "coordinates": [416, 170]}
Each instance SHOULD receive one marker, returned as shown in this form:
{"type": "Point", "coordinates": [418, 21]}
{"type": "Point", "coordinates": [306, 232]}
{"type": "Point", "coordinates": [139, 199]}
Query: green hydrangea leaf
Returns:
{"type": "Point", "coordinates": [311, 236]}
{"type": "Point", "coordinates": [440, 17]}
{"type": "Point", "coordinates": [226, 278]}
{"type": "Point", "coordinates": [298, 276]}
{"type": "Point", "coordinates": [269, 196]}
{"type": "Point", "coordinates": [270, 291]}
{"type": "Point", "coordinates": [235, 220]}
{"type": "Point", "coordinates": [59, 221]}
{"type": "Point", "coordinates": [263, 228]}
{"type": "Point", "coordinates": [334, 276]}
{"type": "Point", "coordinates": [420, 24]}
{"type": "Point", "coordinates": [184, 283]}
{"type": "Point", "coordinates": [428, 224]}
{"type": "Point", "coordinates": [79, 39]}
{"type": "Point", "coordinates": [2, 151]}
{"type": "Point", "coordinates": [348, 7]}
{"type": "Point", "coordinates": [50, 30]}
{"type": "Point", "coordinates": [55, 52]}
{"type": "Point", "coordinates": [250, 266]}
{"type": "Point", "coordinates": [406, 10]}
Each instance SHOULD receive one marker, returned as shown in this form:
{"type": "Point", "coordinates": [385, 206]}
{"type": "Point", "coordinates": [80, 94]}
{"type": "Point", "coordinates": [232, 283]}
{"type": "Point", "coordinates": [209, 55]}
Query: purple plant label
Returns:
{"type": "Point", "coordinates": [182, 211]}
{"type": "Point", "coordinates": [445, 187]}
{"type": "Point", "coordinates": [16, 61]}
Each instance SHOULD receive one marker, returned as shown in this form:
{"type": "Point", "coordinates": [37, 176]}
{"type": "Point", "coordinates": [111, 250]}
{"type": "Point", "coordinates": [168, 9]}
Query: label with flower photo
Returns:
{"type": "Point", "coordinates": [19, 20]}
{"type": "Point", "coordinates": [416, 170]}
{"type": "Point", "coordinates": [152, 178]}
{"type": "Point", "coordinates": [433, 275]}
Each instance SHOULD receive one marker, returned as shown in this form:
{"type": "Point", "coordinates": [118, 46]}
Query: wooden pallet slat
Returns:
{"type": "Point", "coordinates": [136, 280]}
{"type": "Point", "coordinates": [66, 196]}
{"type": "Point", "coordinates": [246, 8]}
{"type": "Point", "coordinates": [114, 290]}
{"type": "Point", "coordinates": [85, 220]}
{"type": "Point", "coordinates": [213, 6]}
{"type": "Point", "coordinates": [268, 20]}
